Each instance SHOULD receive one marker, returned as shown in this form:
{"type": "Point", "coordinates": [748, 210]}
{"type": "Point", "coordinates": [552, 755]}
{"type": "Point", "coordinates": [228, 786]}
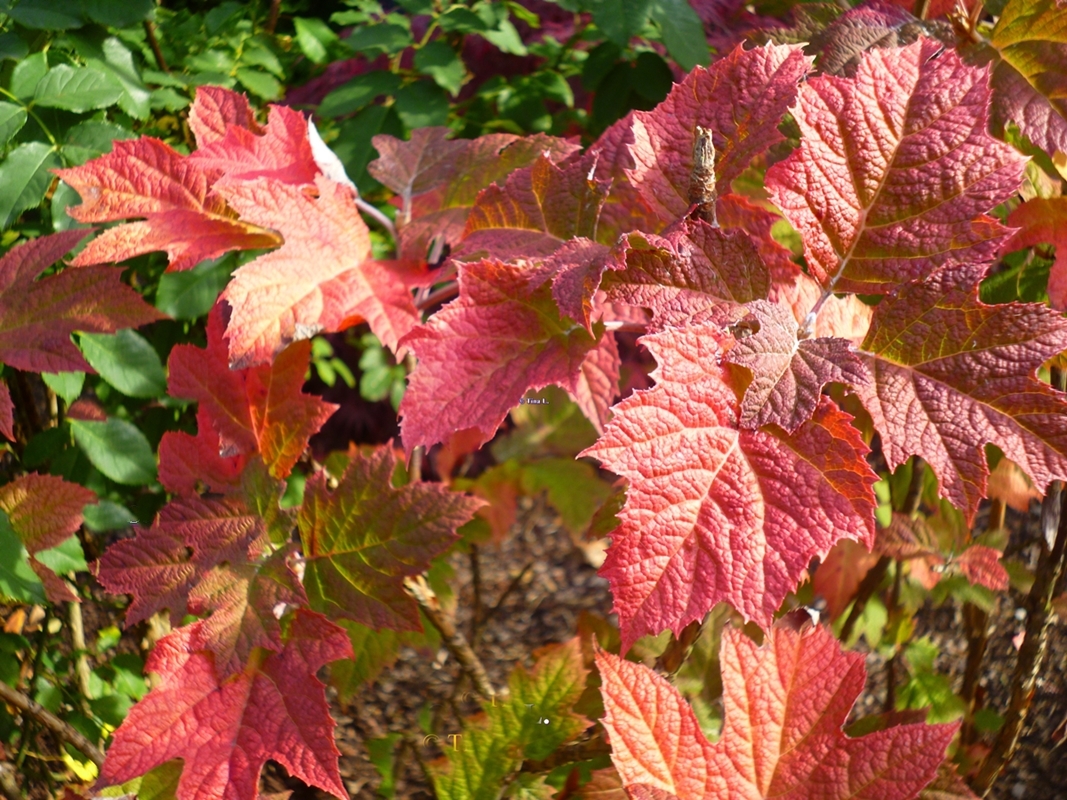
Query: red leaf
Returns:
{"type": "Point", "coordinates": [536, 210]}
{"type": "Point", "coordinates": [625, 209]}
{"type": "Point", "coordinates": [941, 359]}
{"type": "Point", "coordinates": [38, 316]}
{"type": "Point", "coordinates": [226, 730]}
{"type": "Point", "coordinates": [215, 109]}
{"type": "Point", "coordinates": [692, 268]}
{"type": "Point", "coordinates": [714, 513]}
{"type": "Point", "coordinates": [840, 574]}
{"type": "Point", "coordinates": [363, 538]}
{"type": "Point", "coordinates": [160, 565]}
{"type": "Point", "coordinates": [741, 98]}
{"type": "Point", "coordinates": [597, 385]}
{"type": "Point", "coordinates": [192, 464]}
{"type": "Point", "coordinates": [981, 565]}
{"type": "Point", "coordinates": [895, 169]}
{"type": "Point", "coordinates": [260, 409]}
{"type": "Point", "coordinates": [184, 216]}
{"type": "Point", "coordinates": [788, 374]}
{"type": "Point", "coordinates": [479, 355]}
{"type": "Point", "coordinates": [282, 152]}
{"type": "Point", "coordinates": [44, 511]}
{"type": "Point", "coordinates": [7, 412]}
{"type": "Point", "coordinates": [1044, 221]}
{"type": "Point", "coordinates": [784, 705]}
{"type": "Point", "coordinates": [318, 280]}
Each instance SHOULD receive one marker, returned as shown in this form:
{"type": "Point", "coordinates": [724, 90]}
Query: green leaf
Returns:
{"type": "Point", "coordinates": [422, 104]}
{"type": "Point", "coordinates": [17, 580]}
{"type": "Point", "coordinates": [88, 140]}
{"type": "Point", "coordinates": [65, 558]}
{"type": "Point", "coordinates": [118, 13]}
{"type": "Point", "coordinates": [506, 38]}
{"type": "Point", "coordinates": [573, 488]}
{"type": "Point", "coordinates": [682, 32]}
{"type": "Point", "coordinates": [553, 86]}
{"type": "Point", "coordinates": [459, 19]}
{"type": "Point", "coordinates": [24, 179]}
{"type": "Point", "coordinates": [77, 89]}
{"type": "Point", "coordinates": [12, 118]}
{"type": "Point", "coordinates": [382, 754]}
{"type": "Point", "coordinates": [107, 516]}
{"type": "Point", "coordinates": [126, 361]}
{"type": "Point", "coordinates": [54, 15]}
{"type": "Point", "coordinates": [652, 78]}
{"type": "Point", "coordinates": [358, 92]}
{"type": "Point", "coordinates": [438, 60]}
{"type": "Point", "coordinates": [67, 385]}
{"type": "Point", "coordinates": [27, 73]}
{"type": "Point", "coordinates": [116, 448]}
{"type": "Point", "coordinates": [190, 294]}
{"type": "Point", "coordinates": [385, 37]}
{"type": "Point", "coordinates": [314, 37]}
{"type": "Point", "coordinates": [118, 61]}
{"type": "Point", "coordinates": [621, 20]}
{"type": "Point", "coordinates": [353, 146]}
{"type": "Point", "coordinates": [12, 46]}
{"type": "Point", "coordinates": [260, 83]}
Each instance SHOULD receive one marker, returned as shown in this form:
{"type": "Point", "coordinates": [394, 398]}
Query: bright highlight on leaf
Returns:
{"type": "Point", "coordinates": [783, 706]}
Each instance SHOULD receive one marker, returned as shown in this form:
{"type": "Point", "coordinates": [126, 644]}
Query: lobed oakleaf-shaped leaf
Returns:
{"type": "Point", "coordinates": [625, 209]}
{"type": "Point", "coordinates": [692, 268]}
{"type": "Point", "coordinates": [226, 729]}
{"type": "Point", "coordinates": [1043, 220]}
{"type": "Point", "coordinates": [320, 279]}
{"type": "Point", "coordinates": [438, 180]}
{"type": "Point", "coordinates": [788, 374]}
{"type": "Point", "coordinates": [215, 109]}
{"type": "Point", "coordinates": [535, 212]}
{"type": "Point", "coordinates": [783, 706]}
{"type": "Point", "coordinates": [43, 511]}
{"type": "Point", "coordinates": [255, 410]}
{"type": "Point", "coordinates": [157, 568]}
{"type": "Point", "coordinates": [741, 98]}
{"type": "Point", "coordinates": [281, 152]}
{"type": "Point", "coordinates": [38, 316]}
{"type": "Point", "coordinates": [482, 352]}
{"type": "Point", "coordinates": [1029, 85]}
{"type": "Point", "coordinates": [895, 170]}
{"type": "Point", "coordinates": [534, 719]}
{"type": "Point", "coordinates": [715, 512]}
{"type": "Point", "coordinates": [183, 215]}
{"type": "Point", "coordinates": [951, 373]}
{"type": "Point", "coordinates": [364, 537]}
{"type": "Point", "coordinates": [193, 465]}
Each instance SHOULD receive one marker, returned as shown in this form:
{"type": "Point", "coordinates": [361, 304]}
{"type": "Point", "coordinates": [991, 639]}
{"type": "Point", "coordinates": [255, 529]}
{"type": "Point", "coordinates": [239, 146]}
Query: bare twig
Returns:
{"type": "Point", "coordinates": [51, 721]}
{"type": "Point", "coordinates": [504, 596]}
{"type": "Point", "coordinates": [415, 466]}
{"type": "Point", "coordinates": [446, 292]}
{"type": "Point", "coordinates": [868, 586]}
{"type": "Point", "coordinates": [568, 754]}
{"type": "Point", "coordinates": [453, 639]}
{"type": "Point", "coordinates": [678, 647]}
{"type": "Point", "coordinates": [891, 664]}
{"type": "Point", "coordinates": [476, 585]}
{"type": "Point", "coordinates": [77, 640]}
{"type": "Point", "coordinates": [8, 787]}
{"type": "Point", "coordinates": [272, 17]}
{"type": "Point", "coordinates": [153, 42]}
{"type": "Point", "coordinates": [377, 216]}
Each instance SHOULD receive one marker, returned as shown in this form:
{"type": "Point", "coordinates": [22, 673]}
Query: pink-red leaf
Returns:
{"type": "Point", "coordinates": [259, 409]}
{"type": "Point", "coordinates": [788, 374]}
{"type": "Point", "coordinates": [537, 210]}
{"type": "Point", "coordinates": [225, 730]}
{"type": "Point", "coordinates": [320, 279]}
{"type": "Point", "coordinates": [192, 464]}
{"type": "Point", "coordinates": [784, 705]}
{"type": "Point", "coordinates": [482, 352]}
{"type": "Point", "coordinates": [43, 511]}
{"type": "Point", "coordinates": [741, 98]}
{"type": "Point", "coordinates": [951, 373]}
{"type": "Point", "coordinates": [183, 215]}
{"type": "Point", "coordinates": [895, 170]}
{"type": "Point", "coordinates": [38, 316]}
{"type": "Point", "coordinates": [1044, 221]}
{"type": "Point", "coordinates": [716, 513]}
{"type": "Point", "coordinates": [215, 109]}
{"type": "Point", "coordinates": [692, 268]}
{"type": "Point", "coordinates": [7, 412]}
{"type": "Point", "coordinates": [364, 537]}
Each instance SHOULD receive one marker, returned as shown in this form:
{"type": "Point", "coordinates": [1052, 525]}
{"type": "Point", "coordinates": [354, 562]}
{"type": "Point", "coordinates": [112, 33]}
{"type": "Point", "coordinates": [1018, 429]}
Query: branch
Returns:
{"type": "Point", "coordinates": [568, 754]}
{"type": "Point", "coordinates": [51, 721]}
{"type": "Point", "coordinates": [377, 216]}
{"type": "Point", "coordinates": [446, 292]}
{"type": "Point", "coordinates": [1050, 567]}
{"type": "Point", "coordinates": [454, 640]}
{"type": "Point", "coordinates": [153, 42]}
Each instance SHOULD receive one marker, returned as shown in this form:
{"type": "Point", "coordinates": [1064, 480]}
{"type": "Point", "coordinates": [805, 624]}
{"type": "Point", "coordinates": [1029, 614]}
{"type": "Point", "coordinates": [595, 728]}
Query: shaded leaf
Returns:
{"type": "Point", "coordinates": [117, 448]}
